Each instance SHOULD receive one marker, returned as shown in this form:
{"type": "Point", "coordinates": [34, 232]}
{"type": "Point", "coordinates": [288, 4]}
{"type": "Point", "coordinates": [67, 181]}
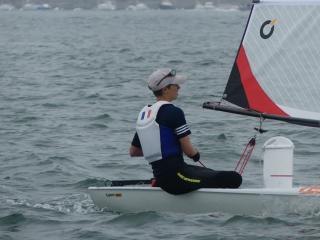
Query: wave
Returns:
{"type": "Point", "coordinates": [135, 219]}
{"type": "Point", "coordinates": [71, 203]}
{"type": "Point", "coordinates": [97, 182]}
{"type": "Point", "coordinates": [6, 237]}
{"type": "Point", "coordinates": [11, 219]}
{"type": "Point", "coordinates": [97, 126]}
{"type": "Point", "coordinates": [54, 105]}
{"type": "Point", "coordinates": [104, 116]}
{"type": "Point", "coordinates": [26, 119]}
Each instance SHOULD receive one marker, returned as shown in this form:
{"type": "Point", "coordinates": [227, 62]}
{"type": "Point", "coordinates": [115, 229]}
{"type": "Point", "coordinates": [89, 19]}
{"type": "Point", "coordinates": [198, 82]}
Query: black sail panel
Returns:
{"type": "Point", "coordinates": [234, 91]}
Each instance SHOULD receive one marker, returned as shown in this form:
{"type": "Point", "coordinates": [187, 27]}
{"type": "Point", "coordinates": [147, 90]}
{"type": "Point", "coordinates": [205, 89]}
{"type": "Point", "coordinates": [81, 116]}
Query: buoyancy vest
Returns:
{"type": "Point", "coordinates": [148, 131]}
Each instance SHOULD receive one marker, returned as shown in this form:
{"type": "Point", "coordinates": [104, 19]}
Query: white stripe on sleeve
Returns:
{"type": "Point", "coordinates": [182, 129]}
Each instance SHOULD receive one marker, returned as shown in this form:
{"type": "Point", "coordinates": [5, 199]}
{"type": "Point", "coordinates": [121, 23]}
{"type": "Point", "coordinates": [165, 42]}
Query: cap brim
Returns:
{"type": "Point", "coordinates": [179, 79]}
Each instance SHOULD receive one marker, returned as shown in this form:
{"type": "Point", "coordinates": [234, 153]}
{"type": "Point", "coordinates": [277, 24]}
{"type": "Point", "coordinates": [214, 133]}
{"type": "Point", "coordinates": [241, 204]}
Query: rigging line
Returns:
{"type": "Point", "coordinates": [260, 129]}
{"type": "Point", "coordinates": [202, 164]}
{"type": "Point", "coordinates": [245, 156]}
{"type": "Point", "coordinates": [239, 161]}
{"type": "Point", "coordinates": [247, 152]}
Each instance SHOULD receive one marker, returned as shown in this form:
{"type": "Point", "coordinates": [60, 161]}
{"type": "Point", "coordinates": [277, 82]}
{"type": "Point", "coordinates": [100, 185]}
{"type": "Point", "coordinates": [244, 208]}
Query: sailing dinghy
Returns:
{"type": "Point", "coordinates": [276, 76]}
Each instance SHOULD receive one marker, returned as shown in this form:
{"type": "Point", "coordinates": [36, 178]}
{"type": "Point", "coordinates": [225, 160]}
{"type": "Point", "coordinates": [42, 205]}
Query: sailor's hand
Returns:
{"type": "Point", "coordinates": [196, 157]}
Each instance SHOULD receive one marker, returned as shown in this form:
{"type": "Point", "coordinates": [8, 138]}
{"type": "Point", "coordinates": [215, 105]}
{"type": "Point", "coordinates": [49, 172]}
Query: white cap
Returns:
{"type": "Point", "coordinates": [164, 77]}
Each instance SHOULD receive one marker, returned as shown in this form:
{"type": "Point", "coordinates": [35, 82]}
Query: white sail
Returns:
{"type": "Point", "coordinates": [277, 67]}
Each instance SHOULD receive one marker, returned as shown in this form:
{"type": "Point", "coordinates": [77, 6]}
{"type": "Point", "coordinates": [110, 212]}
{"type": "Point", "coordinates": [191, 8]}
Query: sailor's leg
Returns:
{"type": "Point", "coordinates": [178, 183]}
{"type": "Point", "coordinates": [213, 179]}
{"type": "Point", "coordinates": [190, 178]}
{"type": "Point", "coordinates": [223, 179]}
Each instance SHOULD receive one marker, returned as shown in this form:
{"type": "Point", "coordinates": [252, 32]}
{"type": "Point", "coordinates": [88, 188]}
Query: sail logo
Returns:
{"type": "Point", "coordinates": [267, 28]}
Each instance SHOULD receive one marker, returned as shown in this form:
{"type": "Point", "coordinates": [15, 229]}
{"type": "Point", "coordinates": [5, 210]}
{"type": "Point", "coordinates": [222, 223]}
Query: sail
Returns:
{"type": "Point", "coordinates": [277, 68]}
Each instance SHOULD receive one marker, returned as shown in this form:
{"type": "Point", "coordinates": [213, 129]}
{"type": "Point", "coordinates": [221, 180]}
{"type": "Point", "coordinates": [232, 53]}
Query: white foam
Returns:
{"type": "Point", "coordinates": [76, 203]}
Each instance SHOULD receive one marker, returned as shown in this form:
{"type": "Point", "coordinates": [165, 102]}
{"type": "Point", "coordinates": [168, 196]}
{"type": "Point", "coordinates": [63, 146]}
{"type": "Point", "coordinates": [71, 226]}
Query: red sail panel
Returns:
{"type": "Point", "coordinates": [257, 98]}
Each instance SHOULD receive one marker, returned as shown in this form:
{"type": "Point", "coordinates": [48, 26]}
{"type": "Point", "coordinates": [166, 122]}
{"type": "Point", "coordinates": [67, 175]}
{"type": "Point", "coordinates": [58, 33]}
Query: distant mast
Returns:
{"type": "Point", "coordinates": [276, 72]}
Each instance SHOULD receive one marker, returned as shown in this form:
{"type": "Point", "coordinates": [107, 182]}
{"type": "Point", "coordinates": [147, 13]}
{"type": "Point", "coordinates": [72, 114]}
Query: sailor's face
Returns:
{"type": "Point", "coordinates": [173, 91]}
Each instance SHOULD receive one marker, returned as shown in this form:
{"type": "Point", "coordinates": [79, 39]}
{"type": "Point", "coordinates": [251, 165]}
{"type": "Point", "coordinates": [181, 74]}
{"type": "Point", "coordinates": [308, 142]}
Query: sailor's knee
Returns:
{"type": "Point", "coordinates": [237, 179]}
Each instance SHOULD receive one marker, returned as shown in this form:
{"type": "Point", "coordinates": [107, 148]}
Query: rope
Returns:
{"type": "Point", "coordinates": [245, 157]}
{"type": "Point", "coordinates": [247, 152]}
{"type": "Point", "coordinates": [201, 164]}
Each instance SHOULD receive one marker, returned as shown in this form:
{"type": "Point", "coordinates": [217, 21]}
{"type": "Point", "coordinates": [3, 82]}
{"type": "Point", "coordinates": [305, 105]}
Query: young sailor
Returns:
{"type": "Point", "coordinates": [163, 136]}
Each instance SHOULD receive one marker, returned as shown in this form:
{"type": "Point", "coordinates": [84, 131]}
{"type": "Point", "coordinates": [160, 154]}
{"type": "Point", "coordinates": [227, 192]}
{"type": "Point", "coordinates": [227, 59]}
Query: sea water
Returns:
{"type": "Point", "coordinates": [71, 85]}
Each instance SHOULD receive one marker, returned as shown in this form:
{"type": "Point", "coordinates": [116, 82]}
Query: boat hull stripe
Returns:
{"type": "Point", "coordinates": [275, 175]}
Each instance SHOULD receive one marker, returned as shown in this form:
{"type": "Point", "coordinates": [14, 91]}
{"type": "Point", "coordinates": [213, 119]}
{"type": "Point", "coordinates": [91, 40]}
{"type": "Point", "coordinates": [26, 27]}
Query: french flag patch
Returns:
{"type": "Point", "coordinates": [144, 113]}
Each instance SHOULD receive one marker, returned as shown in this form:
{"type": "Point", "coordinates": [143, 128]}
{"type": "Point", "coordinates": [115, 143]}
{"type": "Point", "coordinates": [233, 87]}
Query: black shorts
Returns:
{"type": "Point", "coordinates": [189, 178]}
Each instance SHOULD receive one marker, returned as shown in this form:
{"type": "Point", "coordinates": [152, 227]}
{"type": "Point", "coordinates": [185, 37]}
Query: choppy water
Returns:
{"type": "Point", "coordinates": [71, 86]}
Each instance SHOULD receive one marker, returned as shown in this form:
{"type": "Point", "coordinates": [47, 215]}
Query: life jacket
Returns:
{"type": "Point", "coordinates": [151, 133]}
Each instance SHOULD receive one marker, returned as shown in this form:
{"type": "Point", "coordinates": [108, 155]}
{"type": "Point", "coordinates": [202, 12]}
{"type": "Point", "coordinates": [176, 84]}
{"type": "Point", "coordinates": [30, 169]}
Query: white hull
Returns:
{"type": "Point", "coordinates": [235, 201]}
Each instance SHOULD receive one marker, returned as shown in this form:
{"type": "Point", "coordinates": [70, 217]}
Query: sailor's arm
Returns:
{"type": "Point", "coordinates": [135, 149]}
{"type": "Point", "coordinates": [188, 148]}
